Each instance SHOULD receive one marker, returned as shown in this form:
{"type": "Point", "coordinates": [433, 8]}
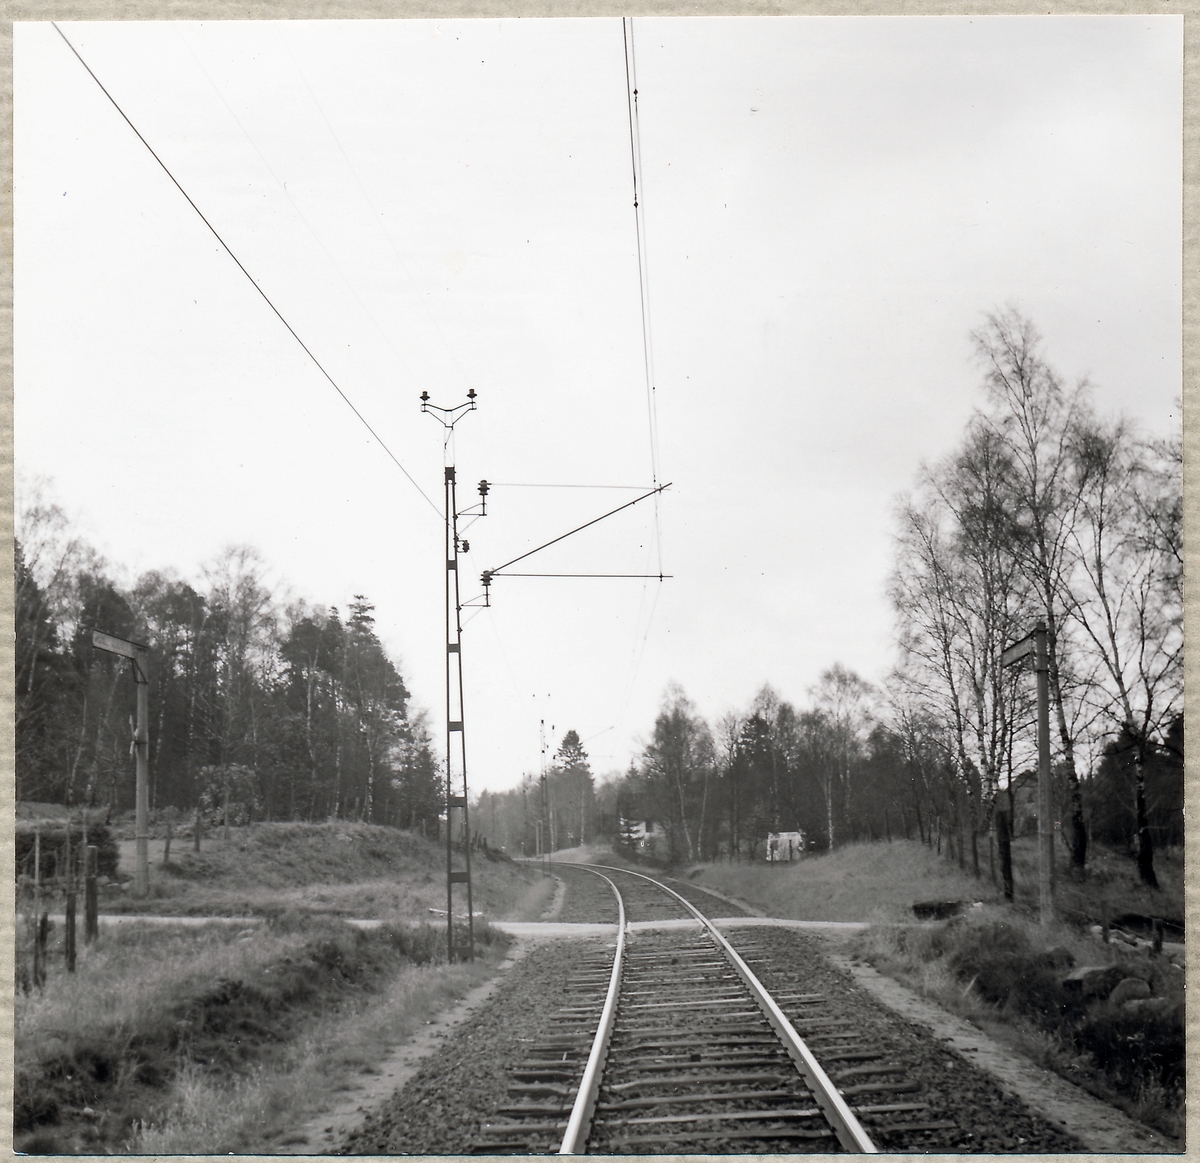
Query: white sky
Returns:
{"type": "Point", "coordinates": [831, 206]}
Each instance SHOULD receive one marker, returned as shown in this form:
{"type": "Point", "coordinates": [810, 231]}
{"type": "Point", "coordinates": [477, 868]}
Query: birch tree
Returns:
{"type": "Point", "coordinates": [1127, 593]}
{"type": "Point", "coordinates": [1036, 417]}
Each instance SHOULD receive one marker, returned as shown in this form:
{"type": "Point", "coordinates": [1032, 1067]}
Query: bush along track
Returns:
{"type": "Point", "coordinates": [88, 1093]}
{"type": "Point", "coordinates": [1110, 1019]}
{"type": "Point", "coordinates": [878, 1058]}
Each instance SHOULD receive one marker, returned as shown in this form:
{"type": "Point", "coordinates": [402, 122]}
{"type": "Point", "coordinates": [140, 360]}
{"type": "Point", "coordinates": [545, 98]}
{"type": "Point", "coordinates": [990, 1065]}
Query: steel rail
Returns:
{"type": "Point", "coordinates": [849, 1130]}
{"type": "Point", "coordinates": [580, 1123]}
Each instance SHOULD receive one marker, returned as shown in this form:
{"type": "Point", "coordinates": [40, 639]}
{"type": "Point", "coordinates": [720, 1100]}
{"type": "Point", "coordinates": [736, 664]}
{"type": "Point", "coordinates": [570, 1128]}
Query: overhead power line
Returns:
{"type": "Point", "coordinates": [378, 218]}
{"type": "Point", "coordinates": [660, 576]}
{"type": "Point", "coordinates": [524, 485]}
{"type": "Point", "coordinates": [578, 528]}
{"type": "Point", "coordinates": [639, 213]}
{"type": "Point", "coordinates": [254, 282]}
{"type": "Point", "coordinates": [333, 262]}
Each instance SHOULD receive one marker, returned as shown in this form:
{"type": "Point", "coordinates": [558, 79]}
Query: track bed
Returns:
{"type": "Point", "coordinates": [694, 1061]}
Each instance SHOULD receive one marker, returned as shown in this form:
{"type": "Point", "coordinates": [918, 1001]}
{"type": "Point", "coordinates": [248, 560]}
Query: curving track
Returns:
{"type": "Point", "coordinates": [691, 1063]}
{"type": "Point", "coordinates": [686, 1052]}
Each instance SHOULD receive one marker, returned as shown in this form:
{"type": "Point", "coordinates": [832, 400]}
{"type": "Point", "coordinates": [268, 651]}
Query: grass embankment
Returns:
{"type": "Point", "coordinates": [1006, 973]}
{"type": "Point", "coordinates": [1111, 879]}
{"type": "Point", "coordinates": [859, 882]}
{"type": "Point", "coordinates": [881, 881]}
{"type": "Point", "coordinates": [210, 1041]}
{"type": "Point", "coordinates": [214, 1040]}
{"type": "Point", "coordinates": [997, 966]}
{"type": "Point", "coordinates": [341, 869]}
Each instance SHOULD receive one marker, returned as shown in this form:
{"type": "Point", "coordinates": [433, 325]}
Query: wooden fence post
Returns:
{"type": "Point", "coordinates": [1004, 845]}
{"type": "Point", "coordinates": [40, 939]}
{"type": "Point", "coordinates": [91, 918]}
{"type": "Point", "coordinates": [39, 969]}
{"type": "Point", "coordinates": [69, 933]}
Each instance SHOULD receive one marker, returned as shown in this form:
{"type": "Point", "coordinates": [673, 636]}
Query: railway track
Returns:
{"type": "Point", "coordinates": [669, 1042]}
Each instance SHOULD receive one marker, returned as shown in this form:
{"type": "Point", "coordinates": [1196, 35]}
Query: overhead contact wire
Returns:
{"type": "Point", "coordinates": [639, 222]}
{"type": "Point", "coordinates": [265, 297]}
{"type": "Point", "coordinates": [635, 155]}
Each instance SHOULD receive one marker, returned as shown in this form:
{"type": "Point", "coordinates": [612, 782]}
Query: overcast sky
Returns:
{"type": "Point", "coordinates": [831, 205]}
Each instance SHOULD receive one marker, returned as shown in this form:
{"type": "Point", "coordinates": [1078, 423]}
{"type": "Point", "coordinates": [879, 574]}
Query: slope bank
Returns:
{"type": "Point", "coordinates": [335, 868]}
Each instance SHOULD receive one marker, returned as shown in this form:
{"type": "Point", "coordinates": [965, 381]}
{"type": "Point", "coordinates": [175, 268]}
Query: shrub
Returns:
{"type": "Point", "coordinates": [976, 944]}
{"type": "Point", "coordinates": [53, 839]}
{"type": "Point", "coordinates": [1008, 971]}
{"type": "Point", "coordinates": [1136, 1045]}
{"type": "Point", "coordinates": [1138, 1051]}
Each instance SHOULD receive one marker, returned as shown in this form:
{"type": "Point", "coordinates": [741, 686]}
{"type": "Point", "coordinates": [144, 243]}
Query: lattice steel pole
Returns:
{"type": "Point", "coordinates": [456, 751]}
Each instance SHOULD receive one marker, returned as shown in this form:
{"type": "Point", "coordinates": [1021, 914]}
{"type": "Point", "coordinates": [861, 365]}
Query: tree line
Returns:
{"type": "Point", "coordinates": [258, 709]}
{"type": "Point", "coordinates": [1049, 513]}
{"type": "Point", "coordinates": [548, 811]}
{"type": "Point", "coordinates": [1046, 512]}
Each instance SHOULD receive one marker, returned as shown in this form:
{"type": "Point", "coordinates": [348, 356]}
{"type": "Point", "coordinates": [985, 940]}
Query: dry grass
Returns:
{"type": "Point", "coordinates": [212, 1038]}
{"type": "Point", "coordinates": [219, 1115]}
{"type": "Point", "coordinates": [880, 882]}
{"type": "Point", "coordinates": [858, 882]}
{"type": "Point", "coordinates": [1004, 972]}
{"type": "Point", "coordinates": [206, 1039]}
{"type": "Point", "coordinates": [1110, 876]}
{"type": "Point", "coordinates": [133, 976]}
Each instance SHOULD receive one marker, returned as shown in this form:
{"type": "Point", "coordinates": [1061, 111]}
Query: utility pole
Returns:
{"type": "Point", "coordinates": [546, 836]}
{"type": "Point", "coordinates": [137, 653]}
{"type": "Point", "coordinates": [1041, 664]}
{"type": "Point", "coordinates": [1035, 645]}
{"type": "Point", "coordinates": [456, 750]}
{"type": "Point", "coordinates": [549, 827]}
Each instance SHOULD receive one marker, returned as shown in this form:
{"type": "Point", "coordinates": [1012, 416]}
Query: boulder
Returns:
{"type": "Point", "coordinates": [1130, 989]}
{"type": "Point", "coordinates": [1059, 957]}
{"type": "Point", "coordinates": [1093, 980]}
{"type": "Point", "coordinates": [1140, 968]}
{"type": "Point", "coordinates": [1148, 1005]}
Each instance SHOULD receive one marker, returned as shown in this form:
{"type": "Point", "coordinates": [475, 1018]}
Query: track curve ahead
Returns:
{"type": "Point", "coordinates": [694, 1015]}
{"type": "Point", "coordinates": [689, 1052]}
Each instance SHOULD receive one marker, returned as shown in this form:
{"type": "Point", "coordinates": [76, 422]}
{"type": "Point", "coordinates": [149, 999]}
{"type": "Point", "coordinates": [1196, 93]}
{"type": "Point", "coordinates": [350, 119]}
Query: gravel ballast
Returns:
{"type": "Point", "coordinates": [986, 1117]}
{"type": "Point", "coordinates": [441, 1109]}
{"type": "Point", "coordinates": [443, 1106]}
